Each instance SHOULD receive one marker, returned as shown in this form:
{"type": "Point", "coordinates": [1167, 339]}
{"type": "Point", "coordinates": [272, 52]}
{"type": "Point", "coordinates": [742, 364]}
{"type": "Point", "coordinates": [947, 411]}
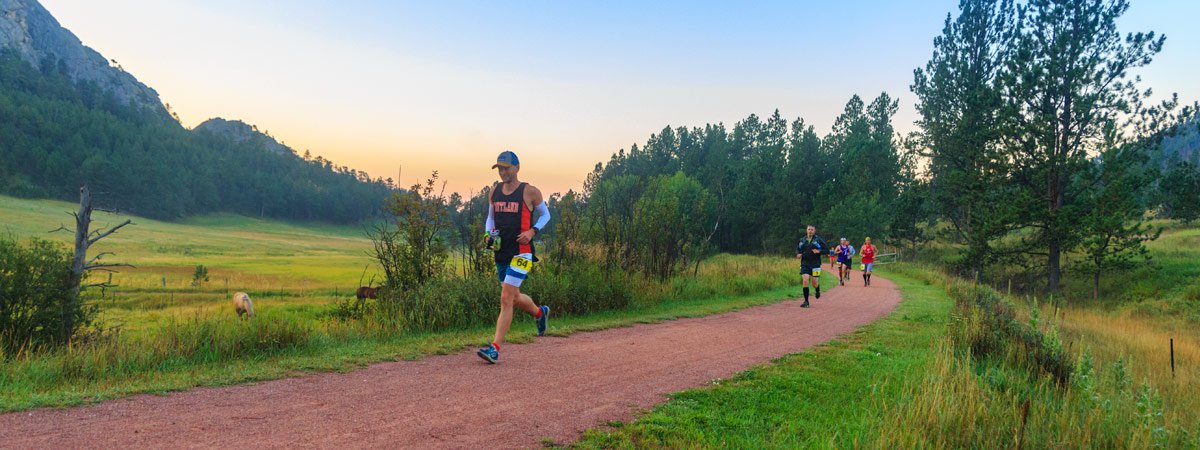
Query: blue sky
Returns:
{"type": "Point", "coordinates": [383, 85]}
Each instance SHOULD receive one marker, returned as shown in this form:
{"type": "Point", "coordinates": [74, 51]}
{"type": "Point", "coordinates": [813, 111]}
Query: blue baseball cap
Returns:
{"type": "Point", "coordinates": [507, 159]}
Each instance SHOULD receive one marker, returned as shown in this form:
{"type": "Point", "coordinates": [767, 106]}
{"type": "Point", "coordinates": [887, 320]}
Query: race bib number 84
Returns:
{"type": "Point", "coordinates": [522, 263]}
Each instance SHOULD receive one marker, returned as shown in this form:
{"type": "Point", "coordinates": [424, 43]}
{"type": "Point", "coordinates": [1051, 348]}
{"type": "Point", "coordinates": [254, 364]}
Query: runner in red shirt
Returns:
{"type": "Point", "coordinates": [868, 260]}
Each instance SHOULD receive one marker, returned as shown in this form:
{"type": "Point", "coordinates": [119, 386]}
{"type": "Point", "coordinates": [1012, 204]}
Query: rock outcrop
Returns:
{"type": "Point", "coordinates": [28, 28]}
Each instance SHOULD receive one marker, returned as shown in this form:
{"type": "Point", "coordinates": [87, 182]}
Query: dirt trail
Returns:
{"type": "Point", "coordinates": [553, 388]}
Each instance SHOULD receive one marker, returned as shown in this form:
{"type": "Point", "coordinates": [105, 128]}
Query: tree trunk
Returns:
{"type": "Point", "coordinates": [1058, 183]}
{"type": "Point", "coordinates": [1054, 232]}
{"type": "Point", "coordinates": [1054, 265]}
{"type": "Point", "coordinates": [83, 220]}
{"type": "Point", "coordinates": [1096, 285]}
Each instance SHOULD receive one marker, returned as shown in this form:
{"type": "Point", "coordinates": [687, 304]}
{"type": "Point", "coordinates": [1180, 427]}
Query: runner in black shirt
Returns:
{"type": "Point", "coordinates": [809, 252]}
{"type": "Point", "coordinates": [510, 224]}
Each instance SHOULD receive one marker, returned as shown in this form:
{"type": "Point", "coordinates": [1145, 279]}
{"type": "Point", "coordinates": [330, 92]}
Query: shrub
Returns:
{"type": "Point", "coordinates": [200, 276]}
{"type": "Point", "coordinates": [986, 325]}
{"type": "Point", "coordinates": [35, 296]}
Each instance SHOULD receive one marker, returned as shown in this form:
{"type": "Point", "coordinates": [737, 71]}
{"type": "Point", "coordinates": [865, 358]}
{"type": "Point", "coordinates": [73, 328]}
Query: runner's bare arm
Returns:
{"type": "Point", "coordinates": [533, 197]}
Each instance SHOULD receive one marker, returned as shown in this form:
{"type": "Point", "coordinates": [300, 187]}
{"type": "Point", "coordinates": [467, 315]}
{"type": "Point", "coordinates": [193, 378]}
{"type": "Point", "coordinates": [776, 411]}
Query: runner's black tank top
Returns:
{"type": "Point", "coordinates": [512, 217]}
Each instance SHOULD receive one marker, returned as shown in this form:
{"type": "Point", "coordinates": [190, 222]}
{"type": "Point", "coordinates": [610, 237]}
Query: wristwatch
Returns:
{"type": "Point", "coordinates": [535, 230]}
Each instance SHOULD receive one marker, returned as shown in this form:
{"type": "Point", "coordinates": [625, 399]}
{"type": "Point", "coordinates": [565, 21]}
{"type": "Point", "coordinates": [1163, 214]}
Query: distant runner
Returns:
{"type": "Point", "coordinates": [845, 260]}
{"type": "Point", "coordinates": [510, 235]}
{"type": "Point", "coordinates": [868, 260]}
{"type": "Point", "coordinates": [809, 252]}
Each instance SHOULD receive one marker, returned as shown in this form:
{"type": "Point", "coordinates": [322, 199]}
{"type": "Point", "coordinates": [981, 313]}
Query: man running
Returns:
{"type": "Point", "coordinates": [845, 253]}
{"type": "Point", "coordinates": [868, 260]}
{"type": "Point", "coordinates": [509, 217]}
{"type": "Point", "coordinates": [809, 252]}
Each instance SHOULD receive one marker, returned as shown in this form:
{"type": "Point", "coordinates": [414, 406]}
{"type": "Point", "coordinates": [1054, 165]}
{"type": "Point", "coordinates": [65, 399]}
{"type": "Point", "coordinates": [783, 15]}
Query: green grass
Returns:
{"type": "Point", "coordinates": [240, 252]}
{"type": "Point", "coordinates": [1166, 286]}
{"type": "Point", "coordinates": [823, 397]}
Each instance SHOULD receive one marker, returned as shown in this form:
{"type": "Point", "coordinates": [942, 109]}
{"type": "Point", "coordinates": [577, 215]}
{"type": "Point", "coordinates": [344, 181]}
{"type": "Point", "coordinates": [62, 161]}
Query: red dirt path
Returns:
{"type": "Point", "coordinates": [554, 388]}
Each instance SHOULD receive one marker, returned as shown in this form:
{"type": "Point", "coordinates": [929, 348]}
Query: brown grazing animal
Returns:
{"type": "Point", "coordinates": [243, 305]}
{"type": "Point", "coordinates": [367, 292]}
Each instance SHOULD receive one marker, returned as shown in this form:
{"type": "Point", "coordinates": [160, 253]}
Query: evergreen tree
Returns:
{"type": "Point", "coordinates": [1114, 230]}
{"type": "Point", "coordinates": [961, 108]}
{"type": "Point", "coordinates": [1067, 79]}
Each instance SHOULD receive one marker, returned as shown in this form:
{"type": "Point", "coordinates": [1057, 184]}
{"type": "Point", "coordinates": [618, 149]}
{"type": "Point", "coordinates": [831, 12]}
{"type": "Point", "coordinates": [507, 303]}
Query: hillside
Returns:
{"type": "Point", "coordinates": [69, 118]}
{"type": "Point", "coordinates": [37, 38]}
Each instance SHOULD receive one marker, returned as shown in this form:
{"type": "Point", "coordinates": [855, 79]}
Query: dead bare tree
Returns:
{"type": "Point", "coordinates": [80, 264]}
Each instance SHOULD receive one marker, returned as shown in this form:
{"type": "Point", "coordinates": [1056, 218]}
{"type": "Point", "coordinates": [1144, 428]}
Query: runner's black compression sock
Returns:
{"type": "Point", "coordinates": [806, 294]}
{"type": "Point", "coordinates": [818, 292]}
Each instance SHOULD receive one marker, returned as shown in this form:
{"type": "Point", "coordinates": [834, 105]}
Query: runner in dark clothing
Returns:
{"type": "Point", "coordinates": [510, 224]}
{"type": "Point", "coordinates": [845, 260]}
{"type": "Point", "coordinates": [809, 252]}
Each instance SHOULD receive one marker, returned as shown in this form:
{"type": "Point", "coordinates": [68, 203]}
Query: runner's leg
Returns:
{"type": "Point", "coordinates": [816, 282]}
{"type": "Point", "coordinates": [509, 296]}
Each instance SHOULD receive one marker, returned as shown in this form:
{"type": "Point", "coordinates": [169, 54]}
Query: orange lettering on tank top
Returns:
{"type": "Point", "coordinates": [506, 207]}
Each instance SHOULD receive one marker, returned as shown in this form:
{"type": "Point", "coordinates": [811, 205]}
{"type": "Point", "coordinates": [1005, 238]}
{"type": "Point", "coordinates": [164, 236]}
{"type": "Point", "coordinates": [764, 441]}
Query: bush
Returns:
{"type": "Point", "coordinates": [582, 289]}
{"type": "Point", "coordinates": [986, 325]}
{"type": "Point", "coordinates": [461, 302]}
{"type": "Point", "coordinates": [200, 276]}
{"type": "Point", "coordinates": [416, 251]}
{"type": "Point", "coordinates": [35, 296]}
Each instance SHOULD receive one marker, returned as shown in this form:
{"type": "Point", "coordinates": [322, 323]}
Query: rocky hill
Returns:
{"type": "Point", "coordinates": [241, 132]}
{"type": "Point", "coordinates": [30, 30]}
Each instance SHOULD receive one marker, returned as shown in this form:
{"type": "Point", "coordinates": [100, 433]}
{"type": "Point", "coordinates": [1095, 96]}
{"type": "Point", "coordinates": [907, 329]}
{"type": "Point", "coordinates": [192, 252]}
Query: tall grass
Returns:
{"type": "Point", "coordinates": [1144, 344]}
{"type": "Point", "coordinates": [961, 404]}
{"type": "Point", "coordinates": [585, 288]}
{"type": "Point", "coordinates": [994, 383]}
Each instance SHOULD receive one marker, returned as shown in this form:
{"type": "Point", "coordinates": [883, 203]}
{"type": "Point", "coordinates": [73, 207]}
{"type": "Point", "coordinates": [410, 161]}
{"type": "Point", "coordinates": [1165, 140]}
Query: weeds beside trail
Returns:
{"type": "Point", "coordinates": [954, 366]}
{"type": "Point", "coordinates": [991, 384]}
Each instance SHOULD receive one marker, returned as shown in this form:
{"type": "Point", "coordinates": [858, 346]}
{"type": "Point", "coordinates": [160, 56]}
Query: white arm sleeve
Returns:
{"type": "Point", "coordinates": [543, 215]}
{"type": "Point", "coordinates": [491, 221]}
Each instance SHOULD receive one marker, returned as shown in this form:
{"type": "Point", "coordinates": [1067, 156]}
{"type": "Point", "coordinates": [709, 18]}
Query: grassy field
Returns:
{"type": "Point", "coordinates": [181, 336]}
{"type": "Point", "coordinates": [288, 269]}
{"type": "Point", "coordinates": [239, 251]}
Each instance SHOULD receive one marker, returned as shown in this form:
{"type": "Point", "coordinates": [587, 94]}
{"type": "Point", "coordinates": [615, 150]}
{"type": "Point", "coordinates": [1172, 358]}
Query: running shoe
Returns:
{"type": "Point", "coordinates": [489, 354]}
{"type": "Point", "coordinates": [805, 305]}
{"type": "Point", "coordinates": [543, 321]}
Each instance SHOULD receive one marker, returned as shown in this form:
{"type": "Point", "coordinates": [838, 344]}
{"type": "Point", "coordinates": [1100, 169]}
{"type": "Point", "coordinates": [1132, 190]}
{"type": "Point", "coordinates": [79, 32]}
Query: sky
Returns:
{"type": "Point", "coordinates": [400, 89]}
